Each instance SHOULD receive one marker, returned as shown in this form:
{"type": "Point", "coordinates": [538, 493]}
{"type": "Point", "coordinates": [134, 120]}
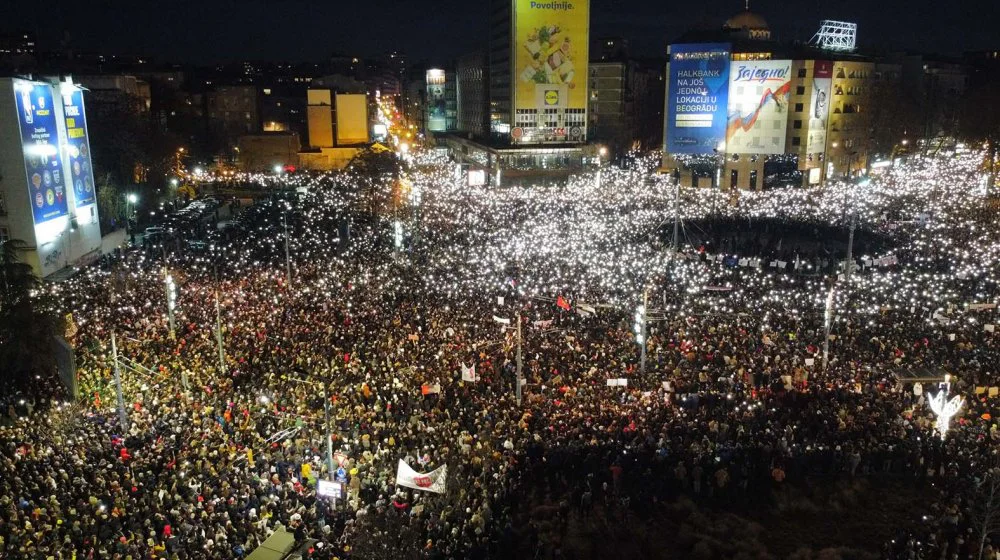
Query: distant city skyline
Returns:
{"type": "Point", "coordinates": [219, 31]}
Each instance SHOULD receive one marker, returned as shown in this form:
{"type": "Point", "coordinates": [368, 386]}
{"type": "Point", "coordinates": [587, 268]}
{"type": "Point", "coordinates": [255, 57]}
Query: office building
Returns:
{"type": "Point", "coordinates": [745, 111]}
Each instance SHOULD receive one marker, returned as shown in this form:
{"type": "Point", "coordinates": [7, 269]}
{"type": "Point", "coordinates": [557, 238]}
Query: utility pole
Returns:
{"type": "Point", "coordinates": [329, 439]}
{"type": "Point", "coordinates": [218, 333]}
{"type": "Point", "coordinates": [640, 330]}
{"type": "Point", "coordinates": [326, 423]}
{"type": "Point", "coordinates": [118, 386]}
{"type": "Point", "coordinates": [677, 213]}
{"type": "Point", "coordinates": [519, 361]}
{"type": "Point", "coordinates": [288, 255]}
{"type": "Point", "coordinates": [827, 320]}
{"type": "Point", "coordinates": [170, 290]}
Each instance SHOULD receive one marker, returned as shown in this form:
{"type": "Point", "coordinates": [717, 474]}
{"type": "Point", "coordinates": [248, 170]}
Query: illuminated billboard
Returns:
{"type": "Point", "coordinates": [437, 109]}
{"type": "Point", "coordinates": [78, 148]}
{"type": "Point", "coordinates": [40, 146]}
{"type": "Point", "coordinates": [352, 119]}
{"type": "Point", "coordinates": [819, 106]}
{"type": "Point", "coordinates": [697, 98]}
{"type": "Point", "coordinates": [758, 106]}
{"type": "Point", "coordinates": [550, 70]}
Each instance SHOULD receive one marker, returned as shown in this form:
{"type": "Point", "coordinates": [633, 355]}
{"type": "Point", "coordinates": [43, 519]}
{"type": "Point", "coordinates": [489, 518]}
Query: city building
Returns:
{"type": "Point", "coordinates": [626, 105]}
{"type": "Point", "coordinates": [935, 84]}
{"type": "Point", "coordinates": [233, 111]}
{"type": "Point", "coordinates": [745, 111]}
{"type": "Point", "coordinates": [116, 89]}
{"type": "Point", "coordinates": [441, 103]}
{"type": "Point", "coordinates": [472, 115]}
{"type": "Point", "coordinates": [48, 196]}
{"type": "Point", "coordinates": [17, 44]}
{"type": "Point", "coordinates": [537, 93]}
{"type": "Point", "coordinates": [266, 151]}
{"type": "Point", "coordinates": [339, 123]}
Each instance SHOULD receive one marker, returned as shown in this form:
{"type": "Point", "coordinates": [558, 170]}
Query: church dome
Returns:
{"type": "Point", "coordinates": [746, 20]}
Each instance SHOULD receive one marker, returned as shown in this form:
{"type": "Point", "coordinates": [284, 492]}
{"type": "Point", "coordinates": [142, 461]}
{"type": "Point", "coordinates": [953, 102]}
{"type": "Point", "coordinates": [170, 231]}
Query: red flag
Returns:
{"type": "Point", "coordinates": [560, 302]}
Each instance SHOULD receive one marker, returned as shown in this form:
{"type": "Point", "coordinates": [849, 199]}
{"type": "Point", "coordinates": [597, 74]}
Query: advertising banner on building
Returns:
{"type": "Point", "coordinates": [78, 146]}
{"type": "Point", "coordinates": [697, 98]}
{"type": "Point", "coordinates": [40, 145]}
{"type": "Point", "coordinates": [550, 70]}
{"type": "Point", "coordinates": [436, 107]}
{"type": "Point", "coordinates": [758, 106]}
{"type": "Point", "coordinates": [819, 106]}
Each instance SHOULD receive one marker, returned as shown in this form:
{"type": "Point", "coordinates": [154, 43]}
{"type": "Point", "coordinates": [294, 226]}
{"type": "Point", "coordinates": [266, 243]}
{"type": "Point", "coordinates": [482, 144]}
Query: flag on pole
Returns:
{"type": "Point", "coordinates": [433, 481]}
{"type": "Point", "coordinates": [469, 373]}
{"type": "Point", "coordinates": [562, 303]}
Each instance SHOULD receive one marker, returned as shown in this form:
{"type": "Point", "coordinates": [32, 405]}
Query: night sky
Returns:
{"type": "Point", "coordinates": [209, 31]}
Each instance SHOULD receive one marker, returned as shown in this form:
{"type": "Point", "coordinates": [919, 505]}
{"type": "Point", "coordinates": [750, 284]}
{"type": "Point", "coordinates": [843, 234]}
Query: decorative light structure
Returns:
{"type": "Point", "coordinates": [944, 409]}
{"type": "Point", "coordinates": [840, 36]}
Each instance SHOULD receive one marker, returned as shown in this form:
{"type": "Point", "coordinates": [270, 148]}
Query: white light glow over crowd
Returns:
{"type": "Point", "coordinates": [216, 455]}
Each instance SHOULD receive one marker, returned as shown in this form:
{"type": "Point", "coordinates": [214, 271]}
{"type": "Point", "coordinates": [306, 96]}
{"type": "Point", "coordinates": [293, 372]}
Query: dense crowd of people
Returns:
{"type": "Point", "coordinates": [221, 446]}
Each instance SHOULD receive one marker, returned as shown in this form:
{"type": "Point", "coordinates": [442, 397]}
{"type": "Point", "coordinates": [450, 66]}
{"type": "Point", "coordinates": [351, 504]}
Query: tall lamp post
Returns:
{"type": "Point", "coordinates": [720, 152]}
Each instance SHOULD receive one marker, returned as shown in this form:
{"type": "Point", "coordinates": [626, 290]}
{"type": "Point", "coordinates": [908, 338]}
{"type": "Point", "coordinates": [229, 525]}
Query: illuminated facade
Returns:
{"type": "Point", "coordinates": [778, 115]}
{"type": "Point", "coordinates": [48, 196]}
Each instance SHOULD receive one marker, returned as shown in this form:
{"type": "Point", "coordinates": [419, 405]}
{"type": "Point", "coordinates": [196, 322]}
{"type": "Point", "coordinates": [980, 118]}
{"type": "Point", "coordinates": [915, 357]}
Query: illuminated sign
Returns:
{"type": "Point", "coordinates": [437, 110]}
{"type": "Point", "coordinates": [78, 146]}
{"type": "Point", "coordinates": [819, 106]}
{"type": "Point", "coordinates": [697, 98]}
{"type": "Point", "coordinates": [550, 71]}
{"type": "Point", "coordinates": [758, 106]}
{"type": "Point", "coordinates": [477, 177]}
{"type": "Point", "coordinates": [40, 146]}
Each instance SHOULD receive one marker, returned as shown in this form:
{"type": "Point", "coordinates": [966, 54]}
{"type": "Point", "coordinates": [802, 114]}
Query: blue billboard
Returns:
{"type": "Point", "coordinates": [78, 147]}
{"type": "Point", "coordinates": [40, 145]}
{"type": "Point", "coordinates": [697, 97]}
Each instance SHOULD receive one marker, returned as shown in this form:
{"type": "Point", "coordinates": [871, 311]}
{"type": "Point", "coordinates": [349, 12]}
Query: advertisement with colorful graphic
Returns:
{"type": "Point", "coordinates": [758, 106]}
{"type": "Point", "coordinates": [437, 120]}
{"type": "Point", "coordinates": [819, 106]}
{"type": "Point", "coordinates": [550, 70]}
{"type": "Point", "coordinates": [697, 101]}
{"type": "Point", "coordinates": [40, 145]}
{"type": "Point", "coordinates": [78, 145]}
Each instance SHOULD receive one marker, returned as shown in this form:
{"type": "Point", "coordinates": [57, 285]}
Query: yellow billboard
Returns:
{"type": "Point", "coordinates": [550, 69]}
{"type": "Point", "coordinates": [352, 119]}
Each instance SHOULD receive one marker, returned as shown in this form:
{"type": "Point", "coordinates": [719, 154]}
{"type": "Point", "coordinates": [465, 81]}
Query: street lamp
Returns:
{"type": "Point", "coordinates": [720, 150]}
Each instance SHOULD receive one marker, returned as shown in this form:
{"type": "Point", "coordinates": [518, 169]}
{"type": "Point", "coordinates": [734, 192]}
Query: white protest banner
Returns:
{"type": "Point", "coordinates": [990, 328]}
{"type": "Point", "coordinates": [542, 324]}
{"type": "Point", "coordinates": [469, 373]}
{"type": "Point", "coordinates": [501, 320]}
{"type": "Point", "coordinates": [500, 300]}
{"type": "Point", "coordinates": [981, 306]}
{"type": "Point", "coordinates": [433, 481]}
{"type": "Point", "coordinates": [810, 361]}
{"type": "Point", "coordinates": [585, 308]}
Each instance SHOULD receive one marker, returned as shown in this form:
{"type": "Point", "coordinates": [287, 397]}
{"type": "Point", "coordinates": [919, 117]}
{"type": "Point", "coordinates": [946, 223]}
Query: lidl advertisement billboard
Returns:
{"type": "Point", "coordinates": [819, 106]}
{"type": "Point", "coordinates": [78, 146]}
{"type": "Point", "coordinates": [550, 69]}
{"type": "Point", "coordinates": [758, 106]}
{"type": "Point", "coordinates": [40, 145]}
{"type": "Point", "coordinates": [697, 98]}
